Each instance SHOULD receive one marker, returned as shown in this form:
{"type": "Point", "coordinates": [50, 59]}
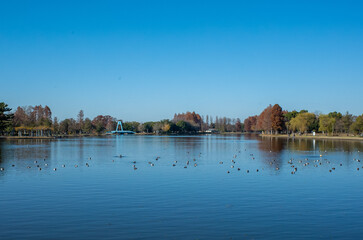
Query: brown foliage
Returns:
{"type": "Point", "coordinates": [193, 118]}
{"type": "Point", "coordinates": [277, 118]}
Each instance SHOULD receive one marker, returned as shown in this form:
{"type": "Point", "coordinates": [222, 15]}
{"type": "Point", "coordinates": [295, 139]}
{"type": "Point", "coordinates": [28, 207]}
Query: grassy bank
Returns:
{"type": "Point", "coordinates": [320, 136]}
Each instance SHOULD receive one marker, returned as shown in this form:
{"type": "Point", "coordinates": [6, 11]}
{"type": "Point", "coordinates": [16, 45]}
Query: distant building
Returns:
{"type": "Point", "coordinates": [211, 130]}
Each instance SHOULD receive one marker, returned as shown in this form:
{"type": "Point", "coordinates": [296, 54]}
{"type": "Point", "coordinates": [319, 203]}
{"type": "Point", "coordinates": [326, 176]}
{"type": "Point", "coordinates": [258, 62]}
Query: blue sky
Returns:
{"type": "Point", "coordinates": [146, 60]}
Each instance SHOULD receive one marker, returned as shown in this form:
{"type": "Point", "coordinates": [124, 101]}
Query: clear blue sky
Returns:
{"type": "Point", "coordinates": [146, 60]}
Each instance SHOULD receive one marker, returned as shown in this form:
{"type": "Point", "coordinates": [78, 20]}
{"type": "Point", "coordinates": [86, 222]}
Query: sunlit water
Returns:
{"type": "Point", "coordinates": [104, 197]}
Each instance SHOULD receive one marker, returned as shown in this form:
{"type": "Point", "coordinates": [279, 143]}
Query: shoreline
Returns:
{"type": "Point", "coordinates": [357, 138]}
{"type": "Point", "coordinates": [100, 135]}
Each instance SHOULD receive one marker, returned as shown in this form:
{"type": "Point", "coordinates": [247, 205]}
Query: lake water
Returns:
{"type": "Point", "coordinates": [98, 195]}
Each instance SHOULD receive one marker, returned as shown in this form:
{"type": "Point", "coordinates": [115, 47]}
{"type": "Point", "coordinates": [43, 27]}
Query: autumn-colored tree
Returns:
{"type": "Point", "coordinates": [277, 118]}
{"type": "Point", "coordinates": [102, 123]}
{"type": "Point", "coordinates": [194, 119]}
{"type": "Point", "coordinates": [250, 124]}
{"type": "Point", "coordinates": [264, 119]}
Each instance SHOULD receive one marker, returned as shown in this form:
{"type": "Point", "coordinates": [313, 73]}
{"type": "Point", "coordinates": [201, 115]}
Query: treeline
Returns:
{"type": "Point", "coordinates": [273, 120]}
{"type": "Point", "coordinates": [38, 121]}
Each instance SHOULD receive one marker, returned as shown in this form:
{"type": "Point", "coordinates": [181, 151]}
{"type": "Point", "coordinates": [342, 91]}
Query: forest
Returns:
{"type": "Point", "coordinates": [38, 121]}
{"type": "Point", "coordinates": [274, 120]}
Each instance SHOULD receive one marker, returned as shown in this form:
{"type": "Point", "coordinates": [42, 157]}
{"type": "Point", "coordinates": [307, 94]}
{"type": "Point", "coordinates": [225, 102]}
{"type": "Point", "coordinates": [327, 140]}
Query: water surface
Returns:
{"type": "Point", "coordinates": [234, 187]}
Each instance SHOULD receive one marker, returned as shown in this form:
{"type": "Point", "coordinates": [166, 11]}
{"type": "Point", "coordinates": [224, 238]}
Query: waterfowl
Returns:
{"type": "Point", "coordinates": [55, 169]}
{"type": "Point", "coordinates": [76, 166]}
{"type": "Point", "coordinates": [220, 162]}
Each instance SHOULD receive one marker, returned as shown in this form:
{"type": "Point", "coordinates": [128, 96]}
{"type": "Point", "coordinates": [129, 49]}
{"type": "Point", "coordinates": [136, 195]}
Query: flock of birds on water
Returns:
{"type": "Point", "coordinates": [294, 164]}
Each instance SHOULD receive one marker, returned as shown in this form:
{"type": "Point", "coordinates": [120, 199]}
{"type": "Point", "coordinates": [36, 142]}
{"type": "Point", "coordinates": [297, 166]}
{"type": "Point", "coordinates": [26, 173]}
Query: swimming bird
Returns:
{"type": "Point", "coordinates": [55, 169]}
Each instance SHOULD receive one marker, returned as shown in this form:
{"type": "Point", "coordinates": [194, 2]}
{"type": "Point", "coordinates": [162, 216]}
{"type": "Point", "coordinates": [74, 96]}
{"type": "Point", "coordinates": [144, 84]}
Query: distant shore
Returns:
{"type": "Point", "coordinates": [357, 138]}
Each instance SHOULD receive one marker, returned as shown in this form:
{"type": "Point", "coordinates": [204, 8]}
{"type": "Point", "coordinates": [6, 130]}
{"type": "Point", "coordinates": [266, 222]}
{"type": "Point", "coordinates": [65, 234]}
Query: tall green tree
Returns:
{"type": "Point", "coordinates": [5, 117]}
{"type": "Point", "coordinates": [326, 123]}
{"type": "Point", "coordinates": [357, 126]}
{"type": "Point", "coordinates": [303, 122]}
